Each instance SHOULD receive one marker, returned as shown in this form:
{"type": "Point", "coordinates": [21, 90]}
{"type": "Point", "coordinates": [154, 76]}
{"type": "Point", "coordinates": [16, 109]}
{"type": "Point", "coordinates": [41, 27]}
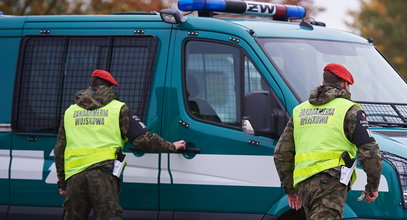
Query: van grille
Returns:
{"type": "Point", "coordinates": [400, 165]}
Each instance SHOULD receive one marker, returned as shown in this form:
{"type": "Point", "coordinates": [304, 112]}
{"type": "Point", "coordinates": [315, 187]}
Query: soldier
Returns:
{"type": "Point", "coordinates": [91, 134]}
{"type": "Point", "coordinates": [324, 133]}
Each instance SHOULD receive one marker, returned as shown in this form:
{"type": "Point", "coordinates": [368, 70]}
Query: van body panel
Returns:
{"type": "Point", "coordinates": [31, 167]}
{"type": "Point", "coordinates": [142, 172]}
{"type": "Point", "coordinates": [293, 30]}
{"type": "Point", "coordinates": [233, 176]}
{"type": "Point", "coordinates": [4, 171]}
{"type": "Point", "coordinates": [10, 33]}
{"type": "Point", "coordinates": [95, 25]}
{"type": "Point", "coordinates": [11, 26]}
{"type": "Point", "coordinates": [264, 28]}
{"type": "Point", "coordinates": [388, 199]}
{"type": "Point", "coordinates": [9, 63]}
{"type": "Point", "coordinates": [391, 144]}
{"type": "Point", "coordinates": [145, 17]}
{"type": "Point", "coordinates": [202, 182]}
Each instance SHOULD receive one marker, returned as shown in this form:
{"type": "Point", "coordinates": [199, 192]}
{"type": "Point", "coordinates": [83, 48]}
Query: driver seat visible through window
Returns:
{"type": "Point", "coordinates": [199, 107]}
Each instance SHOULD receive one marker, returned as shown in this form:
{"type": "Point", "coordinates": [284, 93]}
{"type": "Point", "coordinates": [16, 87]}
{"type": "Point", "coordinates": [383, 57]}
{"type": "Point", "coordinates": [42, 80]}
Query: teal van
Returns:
{"type": "Point", "coordinates": [226, 85]}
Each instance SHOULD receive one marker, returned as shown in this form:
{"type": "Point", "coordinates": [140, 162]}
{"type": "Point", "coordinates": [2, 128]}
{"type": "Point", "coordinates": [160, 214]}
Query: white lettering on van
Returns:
{"type": "Point", "coordinates": [27, 164]}
{"type": "Point", "coordinates": [52, 175]}
{"type": "Point", "coordinates": [204, 169]}
{"type": "Point", "coordinates": [4, 163]}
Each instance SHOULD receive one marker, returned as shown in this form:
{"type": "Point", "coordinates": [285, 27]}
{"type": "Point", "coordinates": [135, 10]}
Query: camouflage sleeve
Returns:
{"type": "Point", "coordinates": [149, 142]}
{"type": "Point", "coordinates": [371, 162]}
{"type": "Point", "coordinates": [356, 130]}
{"type": "Point", "coordinates": [350, 122]}
{"type": "Point", "coordinates": [59, 150]}
{"type": "Point", "coordinates": [284, 154]}
{"type": "Point", "coordinates": [124, 121]}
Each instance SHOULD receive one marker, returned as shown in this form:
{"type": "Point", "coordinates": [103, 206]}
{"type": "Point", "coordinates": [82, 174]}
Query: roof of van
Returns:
{"type": "Point", "coordinates": [236, 26]}
{"type": "Point", "coordinates": [271, 28]}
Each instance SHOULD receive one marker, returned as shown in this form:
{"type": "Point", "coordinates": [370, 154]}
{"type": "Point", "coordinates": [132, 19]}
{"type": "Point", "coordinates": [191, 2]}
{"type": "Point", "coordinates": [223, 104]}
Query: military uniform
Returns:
{"type": "Point", "coordinates": [95, 187]}
{"type": "Point", "coordinates": [322, 194]}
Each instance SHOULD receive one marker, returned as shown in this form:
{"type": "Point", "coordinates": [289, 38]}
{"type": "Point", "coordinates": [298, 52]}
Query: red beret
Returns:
{"type": "Point", "coordinates": [105, 76]}
{"type": "Point", "coordinates": [340, 71]}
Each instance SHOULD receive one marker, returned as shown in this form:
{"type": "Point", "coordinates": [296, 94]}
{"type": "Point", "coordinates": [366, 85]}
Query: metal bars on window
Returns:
{"type": "Point", "coordinates": [53, 68]}
{"type": "Point", "coordinates": [400, 165]}
{"type": "Point", "coordinates": [385, 113]}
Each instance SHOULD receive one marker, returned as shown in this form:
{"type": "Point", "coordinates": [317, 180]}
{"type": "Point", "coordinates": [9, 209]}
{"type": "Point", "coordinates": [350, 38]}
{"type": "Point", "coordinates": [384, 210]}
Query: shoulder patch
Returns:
{"type": "Point", "coordinates": [136, 127]}
{"type": "Point", "coordinates": [361, 135]}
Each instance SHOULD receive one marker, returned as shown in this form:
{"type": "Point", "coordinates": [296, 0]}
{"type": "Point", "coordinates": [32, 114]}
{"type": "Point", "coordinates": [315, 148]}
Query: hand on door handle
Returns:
{"type": "Point", "coordinates": [190, 150]}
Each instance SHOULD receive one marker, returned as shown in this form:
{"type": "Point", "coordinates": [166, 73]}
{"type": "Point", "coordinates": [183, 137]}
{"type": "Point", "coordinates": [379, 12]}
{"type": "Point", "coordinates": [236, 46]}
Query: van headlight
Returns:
{"type": "Point", "coordinates": [400, 165]}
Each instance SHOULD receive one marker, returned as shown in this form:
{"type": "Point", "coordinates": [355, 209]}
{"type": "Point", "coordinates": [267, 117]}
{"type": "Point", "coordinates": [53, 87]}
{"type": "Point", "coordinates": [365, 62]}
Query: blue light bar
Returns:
{"type": "Point", "coordinates": [294, 11]}
{"type": "Point", "coordinates": [244, 7]}
{"type": "Point", "coordinates": [197, 5]}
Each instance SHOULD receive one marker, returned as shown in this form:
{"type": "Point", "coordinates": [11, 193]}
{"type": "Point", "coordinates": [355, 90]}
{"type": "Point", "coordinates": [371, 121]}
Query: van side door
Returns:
{"type": "Point", "coordinates": [234, 173]}
{"type": "Point", "coordinates": [52, 69]}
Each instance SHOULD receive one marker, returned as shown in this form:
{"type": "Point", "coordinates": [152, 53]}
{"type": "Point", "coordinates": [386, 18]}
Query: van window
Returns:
{"type": "Point", "coordinates": [53, 68]}
{"type": "Point", "coordinates": [301, 61]}
{"type": "Point", "coordinates": [217, 78]}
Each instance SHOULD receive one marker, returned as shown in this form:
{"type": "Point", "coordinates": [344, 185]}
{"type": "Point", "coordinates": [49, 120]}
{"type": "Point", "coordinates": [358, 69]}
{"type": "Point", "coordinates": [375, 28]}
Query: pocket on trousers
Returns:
{"type": "Point", "coordinates": [334, 208]}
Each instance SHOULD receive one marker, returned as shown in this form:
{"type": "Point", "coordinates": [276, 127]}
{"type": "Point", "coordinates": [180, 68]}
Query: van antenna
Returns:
{"type": "Point", "coordinates": [303, 23]}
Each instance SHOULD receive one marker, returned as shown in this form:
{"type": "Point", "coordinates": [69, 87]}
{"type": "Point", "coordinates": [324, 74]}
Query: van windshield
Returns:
{"type": "Point", "coordinates": [300, 62]}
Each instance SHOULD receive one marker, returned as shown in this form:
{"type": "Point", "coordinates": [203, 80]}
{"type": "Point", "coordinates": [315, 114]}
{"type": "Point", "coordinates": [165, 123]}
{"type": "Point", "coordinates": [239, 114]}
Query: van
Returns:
{"type": "Point", "coordinates": [226, 85]}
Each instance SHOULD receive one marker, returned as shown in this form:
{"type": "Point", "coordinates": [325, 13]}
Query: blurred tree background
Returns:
{"type": "Point", "coordinates": [59, 7]}
{"type": "Point", "coordinates": [64, 7]}
{"type": "Point", "coordinates": [385, 22]}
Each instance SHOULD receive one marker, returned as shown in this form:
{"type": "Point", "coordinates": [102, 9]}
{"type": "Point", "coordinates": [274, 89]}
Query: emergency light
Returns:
{"type": "Point", "coordinates": [263, 9]}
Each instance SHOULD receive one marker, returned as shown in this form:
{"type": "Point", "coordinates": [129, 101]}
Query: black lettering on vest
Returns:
{"type": "Point", "coordinates": [317, 111]}
{"type": "Point", "coordinates": [89, 121]}
{"type": "Point", "coordinates": [314, 120]}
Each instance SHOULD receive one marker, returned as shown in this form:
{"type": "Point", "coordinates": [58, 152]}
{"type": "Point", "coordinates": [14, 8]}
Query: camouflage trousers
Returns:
{"type": "Point", "coordinates": [323, 196]}
{"type": "Point", "coordinates": [95, 189]}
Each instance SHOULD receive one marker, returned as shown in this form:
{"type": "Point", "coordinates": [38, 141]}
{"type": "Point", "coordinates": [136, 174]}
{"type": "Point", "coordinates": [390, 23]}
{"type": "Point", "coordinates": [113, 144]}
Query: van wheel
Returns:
{"type": "Point", "coordinates": [292, 214]}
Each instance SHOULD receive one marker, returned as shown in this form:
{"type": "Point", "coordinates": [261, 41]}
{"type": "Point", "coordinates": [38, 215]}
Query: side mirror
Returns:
{"type": "Point", "coordinates": [259, 117]}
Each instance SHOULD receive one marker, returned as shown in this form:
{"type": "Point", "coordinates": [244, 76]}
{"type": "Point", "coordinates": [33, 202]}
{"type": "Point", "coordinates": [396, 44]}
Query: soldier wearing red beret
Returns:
{"type": "Point", "coordinates": [315, 155]}
{"type": "Point", "coordinates": [89, 149]}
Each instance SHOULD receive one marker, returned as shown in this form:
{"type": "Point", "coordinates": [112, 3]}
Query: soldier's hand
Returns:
{"type": "Point", "coordinates": [371, 196]}
{"type": "Point", "coordinates": [180, 145]}
{"type": "Point", "coordinates": [62, 192]}
{"type": "Point", "coordinates": [294, 201]}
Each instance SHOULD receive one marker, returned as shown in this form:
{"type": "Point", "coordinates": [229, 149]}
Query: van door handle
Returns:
{"type": "Point", "coordinates": [190, 150]}
{"type": "Point", "coordinates": [186, 150]}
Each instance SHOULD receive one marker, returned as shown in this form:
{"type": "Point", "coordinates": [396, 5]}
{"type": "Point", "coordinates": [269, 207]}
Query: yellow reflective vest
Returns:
{"type": "Point", "coordinates": [319, 137]}
{"type": "Point", "coordinates": [92, 136]}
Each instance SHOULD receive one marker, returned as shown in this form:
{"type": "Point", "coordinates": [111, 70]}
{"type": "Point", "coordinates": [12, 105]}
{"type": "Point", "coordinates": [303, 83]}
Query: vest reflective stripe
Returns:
{"type": "Point", "coordinates": [85, 151]}
{"type": "Point", "coordinates": [92, 136]}
{"type": "Point", "coordinates": [110, 154]}
{"type": "Point", "coordinates": [317, 156]}
{"type": "Point", "coordinates": [321, 166]}
{"type": "Point", "coordinates": [319, 137]}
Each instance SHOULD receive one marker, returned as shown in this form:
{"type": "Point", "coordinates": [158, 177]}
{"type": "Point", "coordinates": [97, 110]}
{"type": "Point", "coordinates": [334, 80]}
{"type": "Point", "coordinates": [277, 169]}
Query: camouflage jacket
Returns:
{"type": "Point", "coordinates": [368, 153]}
{"type": "Point", "coordinates": [96, 98]}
